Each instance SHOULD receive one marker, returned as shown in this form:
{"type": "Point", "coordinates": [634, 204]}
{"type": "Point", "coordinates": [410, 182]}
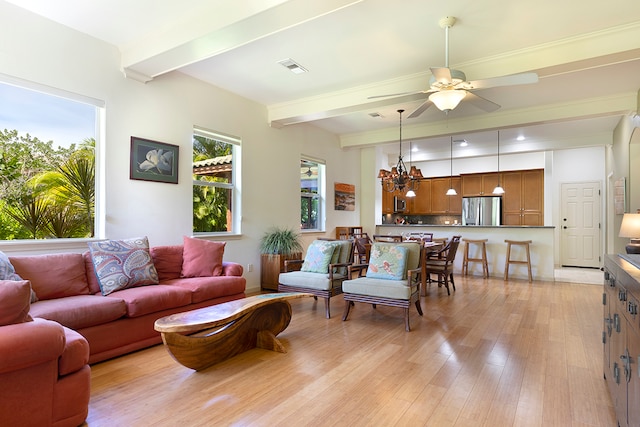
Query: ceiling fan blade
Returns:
{"type": "Point", "coordinates": [441, 74]}
{"type": "Point", "coordinates": [511, 80]}
{"type": "Point", "coordinates": [421, 109]}
{"type": "Point", "coordinates": [395, 94]}
{"type": "Point", "coordinates": [480, 102]}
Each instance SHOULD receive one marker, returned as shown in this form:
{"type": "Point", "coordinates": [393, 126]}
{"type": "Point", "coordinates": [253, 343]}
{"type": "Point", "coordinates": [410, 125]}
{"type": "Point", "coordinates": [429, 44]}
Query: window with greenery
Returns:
{"type": "Point", "coordinates": [215, 166]}
{"type": "Point", "coordinates": [311, 195]}
{"type": "Point", "coordinates": [47, 189]}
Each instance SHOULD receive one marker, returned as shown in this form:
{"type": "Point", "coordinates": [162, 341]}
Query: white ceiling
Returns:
{"type": "Point", "coordinates": [586, 53]}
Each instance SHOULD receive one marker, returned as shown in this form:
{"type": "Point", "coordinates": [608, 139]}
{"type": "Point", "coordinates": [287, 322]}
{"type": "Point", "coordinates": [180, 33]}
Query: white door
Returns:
{"type": "Point", "coordinates": [580, 224]}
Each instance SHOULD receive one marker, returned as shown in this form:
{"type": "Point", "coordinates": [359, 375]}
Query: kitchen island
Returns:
{"type": "Point", "coordinates": [542, 246]}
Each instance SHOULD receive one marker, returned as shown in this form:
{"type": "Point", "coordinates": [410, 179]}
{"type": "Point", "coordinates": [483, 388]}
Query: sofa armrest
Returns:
{"type": "Point", "coordinates": [29, 344]}
{"type": "Point", "coordinates": [232, 269]}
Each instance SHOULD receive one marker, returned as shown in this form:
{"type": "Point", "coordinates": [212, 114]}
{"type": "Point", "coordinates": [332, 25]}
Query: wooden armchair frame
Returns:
{"type": "Point", "coordinates": [413, 277]}
{"type": "Point", "coordinates": [334, 278]}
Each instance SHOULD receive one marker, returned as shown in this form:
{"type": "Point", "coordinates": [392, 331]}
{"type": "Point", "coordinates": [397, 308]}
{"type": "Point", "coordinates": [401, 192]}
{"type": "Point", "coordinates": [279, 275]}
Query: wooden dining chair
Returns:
{"type": "Point", "coordinates": [443, 267]}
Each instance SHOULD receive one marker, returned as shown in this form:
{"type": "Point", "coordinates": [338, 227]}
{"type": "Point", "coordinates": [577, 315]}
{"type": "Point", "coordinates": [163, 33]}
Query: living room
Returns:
{"type": "Point", "coordinates": [47, 54]}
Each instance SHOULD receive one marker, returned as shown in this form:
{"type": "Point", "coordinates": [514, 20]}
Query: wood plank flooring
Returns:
{"type": "Point", "coordinates": [493, 353]}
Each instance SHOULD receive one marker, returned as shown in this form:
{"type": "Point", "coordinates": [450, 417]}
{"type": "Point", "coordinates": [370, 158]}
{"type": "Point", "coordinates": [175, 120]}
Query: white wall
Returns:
{"type": "Point", "coordinates": [166, 109]}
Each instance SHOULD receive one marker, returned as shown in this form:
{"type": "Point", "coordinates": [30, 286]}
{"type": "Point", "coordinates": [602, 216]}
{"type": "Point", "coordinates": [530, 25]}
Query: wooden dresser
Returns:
{"type": "Point", "coordinates": [621, 335]}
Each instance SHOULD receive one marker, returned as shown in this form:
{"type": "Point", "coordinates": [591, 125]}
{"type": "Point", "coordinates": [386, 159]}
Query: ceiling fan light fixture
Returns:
{"type": "Point", "coordinates": [447, 100]}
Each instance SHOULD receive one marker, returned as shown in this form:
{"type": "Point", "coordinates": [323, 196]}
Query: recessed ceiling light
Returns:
{"type": "Point", "coordinates": [376, 115]}
{"type": "Point", "coordinates": [292, 66]}
{"type": "Point", "coordinates": [461, 142]}
{"type": "Point", "coordinates": [520, 138]}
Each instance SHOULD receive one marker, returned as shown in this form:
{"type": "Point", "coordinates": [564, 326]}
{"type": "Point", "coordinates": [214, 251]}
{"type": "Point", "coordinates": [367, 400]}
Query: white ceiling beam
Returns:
{"type": "Point", "coordinates": [595, 49]}
{"type": "Point", "coordinates": [140, 63]}
{"type": "Point", "coordinates": [616, 104]}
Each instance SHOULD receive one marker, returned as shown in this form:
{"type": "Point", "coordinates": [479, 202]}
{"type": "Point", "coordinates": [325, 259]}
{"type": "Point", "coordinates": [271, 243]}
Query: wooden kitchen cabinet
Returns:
{"type": "Point", "coordinates": [440, 202]}
{"type": "Point", "coordinates": [421, 204]}
{"type": "Point", "coordinates": [621, 338]}
{"type": "Point", "coordinates": [387, 202]}
{"type": "Point", "coordinates": [523, 199]}
{"type": "Point", "coordinates": [479, 184]}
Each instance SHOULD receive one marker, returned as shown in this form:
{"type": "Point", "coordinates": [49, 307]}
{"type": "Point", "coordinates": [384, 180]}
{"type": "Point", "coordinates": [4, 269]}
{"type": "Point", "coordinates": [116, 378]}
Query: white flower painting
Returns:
{"type": "Point", "coordinates": [153, 161]}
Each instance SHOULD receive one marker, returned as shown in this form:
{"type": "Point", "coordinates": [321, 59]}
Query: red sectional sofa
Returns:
{"type": "Point", "coordinates": [69, 293]}
{"type": "Point", "coordinates": [46, 349]}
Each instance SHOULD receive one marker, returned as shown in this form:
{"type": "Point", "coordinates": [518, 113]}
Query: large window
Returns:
{"type": "Point", "coordinates": [215, 182]}
{"type": "Point", "coordinates": [47, 162]}
{"type": "Point", "coordinates": [312, 195]}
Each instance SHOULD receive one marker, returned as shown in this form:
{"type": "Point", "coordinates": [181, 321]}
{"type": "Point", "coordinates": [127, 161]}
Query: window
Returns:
{"type": "Point", "coordinates": [47, 162]}
{"type": "Point", "coordinates": [215, 182]}
{"type": "Point", "coordinates": [312, 195]}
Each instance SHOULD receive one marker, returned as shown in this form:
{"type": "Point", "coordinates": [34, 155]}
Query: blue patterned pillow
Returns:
{"type": "Point", "coordinates": [319, 256]}
{"type": "Point", "coordinates": [387, 262]}
{"type": "Point", "coordinates": [7, 272]}
{"type": "Point", "coordinates": [122, 264]}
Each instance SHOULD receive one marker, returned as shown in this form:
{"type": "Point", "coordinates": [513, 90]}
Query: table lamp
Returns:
{"type": "Point", "coordinates": [630, 228]}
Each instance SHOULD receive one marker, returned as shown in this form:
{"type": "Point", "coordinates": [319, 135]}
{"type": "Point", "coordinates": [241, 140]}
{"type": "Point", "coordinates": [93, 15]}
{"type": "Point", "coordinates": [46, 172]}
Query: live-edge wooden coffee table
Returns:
{"type": "Point", "coordinates": [203, 337]}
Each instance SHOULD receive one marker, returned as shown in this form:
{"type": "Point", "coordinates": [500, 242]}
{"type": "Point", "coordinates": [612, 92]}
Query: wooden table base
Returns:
{"type": "Point", "coordinates": [201, 338]}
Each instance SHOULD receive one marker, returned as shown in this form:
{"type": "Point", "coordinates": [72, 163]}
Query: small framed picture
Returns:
{"type": "Point", "coordinates": [153, 161]}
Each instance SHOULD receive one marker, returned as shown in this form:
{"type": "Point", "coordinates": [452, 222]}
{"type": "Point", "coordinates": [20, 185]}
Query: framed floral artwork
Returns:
{"type": "Point", "coordinates": [153, 161]}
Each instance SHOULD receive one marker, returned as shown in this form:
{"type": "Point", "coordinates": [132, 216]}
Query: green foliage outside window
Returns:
{"type": "Point", "coordinates": [45, 192]}
{"type": "Point", "coordinates": [211, 199]}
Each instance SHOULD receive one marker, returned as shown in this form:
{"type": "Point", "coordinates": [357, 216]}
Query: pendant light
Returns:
{"type": "Point", "coordinates": [451, 191]}
{"type": "Point", "coordinates": [498, 189]}
{"type": "Point", "coordinates": [411, 193]}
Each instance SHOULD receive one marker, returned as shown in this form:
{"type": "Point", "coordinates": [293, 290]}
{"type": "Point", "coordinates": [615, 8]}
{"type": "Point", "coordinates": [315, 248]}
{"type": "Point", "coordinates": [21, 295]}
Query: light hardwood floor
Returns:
{"type": "Point", "coordinates": [493, 353]}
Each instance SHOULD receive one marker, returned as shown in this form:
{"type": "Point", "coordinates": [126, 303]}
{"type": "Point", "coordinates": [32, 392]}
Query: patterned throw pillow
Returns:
{"type": "Point", "coordinates": [7, 272]}
{"type": "Point", "coordinates": [319, 256]}
{"type": "Point", "coordinates": [122, 264]}
{"type": "Point", "coordinates": [387, 262]}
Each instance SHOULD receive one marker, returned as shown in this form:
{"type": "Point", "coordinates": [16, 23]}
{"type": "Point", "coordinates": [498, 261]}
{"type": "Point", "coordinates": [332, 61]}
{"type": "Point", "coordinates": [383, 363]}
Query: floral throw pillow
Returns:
{"type": "Point", "coordinates": [7, 272]}
{"type": "Point", "coordinates": [387, 262]}
{"type": "Point", "coordinates": [122, 264]}
{"type": "Point", "coordinates": [319, 256]}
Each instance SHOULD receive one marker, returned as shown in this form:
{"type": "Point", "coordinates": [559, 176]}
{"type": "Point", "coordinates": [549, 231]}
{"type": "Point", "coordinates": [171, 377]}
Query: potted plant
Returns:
{"type": "Point", "coordinates": [276, 246]}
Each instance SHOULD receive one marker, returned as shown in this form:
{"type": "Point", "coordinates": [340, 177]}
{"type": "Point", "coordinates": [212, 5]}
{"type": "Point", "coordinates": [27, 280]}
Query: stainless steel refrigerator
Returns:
{"type": "Point", "coordinates": [482, 210]}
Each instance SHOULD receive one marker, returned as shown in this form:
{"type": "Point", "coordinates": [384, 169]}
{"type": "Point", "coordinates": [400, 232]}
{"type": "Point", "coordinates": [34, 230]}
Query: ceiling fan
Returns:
{"type": "Point", "coordinates": [448, 87]}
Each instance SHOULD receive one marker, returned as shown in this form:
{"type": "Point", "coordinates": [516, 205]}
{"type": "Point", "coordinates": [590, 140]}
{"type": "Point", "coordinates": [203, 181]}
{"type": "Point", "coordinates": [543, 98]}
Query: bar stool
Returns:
{"type": "Point", "coordinates": [509, 261]}
{"type": "Point", "coordinates": [483, 254]}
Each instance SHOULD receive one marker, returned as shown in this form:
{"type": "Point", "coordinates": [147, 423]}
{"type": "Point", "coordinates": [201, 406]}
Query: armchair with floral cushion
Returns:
{"type": "Point", "coordinates": [392, 279]}
{"type": "Point", "coordinates": [321, 272]}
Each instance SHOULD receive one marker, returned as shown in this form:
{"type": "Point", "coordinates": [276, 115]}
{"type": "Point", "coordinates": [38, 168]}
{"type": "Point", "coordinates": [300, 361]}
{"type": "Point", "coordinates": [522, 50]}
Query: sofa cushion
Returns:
{"type": "Point", "coordinates": [14, 301]}
{"type": "Point", "coordinates": [384, 288]}
{"type": "Point", "coordinates": [319, 255]}
{"type": "Point", "coordinates": [310, 280]}
{"type": "Point", "coordinates": [206, 288]}
{"type": "Point", "coordinates": [201, 258]}
{"type": "Point", "coordinates": [150, 299]}
{"type": "Point", "coordinates": [122, 264]}
{"type": "Point", "coordinates": [81, 311]}
{"type": "Point", "coordinates": [63, 276]}
{"type": "Point", "coordinates": [7, 272]}
{"type": "Point", "coordinates": [92, 279]}
{"type": "Point", "coordinates": [387, 262]}
{"type": "Point", "coordinates": [168, 261]}
{"type": "Point", "coordinates": [75, 354]}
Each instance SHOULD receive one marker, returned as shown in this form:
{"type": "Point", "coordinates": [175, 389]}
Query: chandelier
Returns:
{"type": "Point", "coordinates": [400, 178]}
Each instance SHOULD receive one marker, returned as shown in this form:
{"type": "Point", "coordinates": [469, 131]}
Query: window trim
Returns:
{"type": "Point", "coordinates": [321, 195]}
{"type": "Point", "coordinates": [99, 166]}
{"type": "Point", "coordinates": [235, 186]}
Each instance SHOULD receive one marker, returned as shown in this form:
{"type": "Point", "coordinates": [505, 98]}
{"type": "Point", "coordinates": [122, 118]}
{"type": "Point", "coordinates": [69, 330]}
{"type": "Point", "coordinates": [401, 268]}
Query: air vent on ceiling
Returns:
{"type": "Point", "coordinates": [292, 66]}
